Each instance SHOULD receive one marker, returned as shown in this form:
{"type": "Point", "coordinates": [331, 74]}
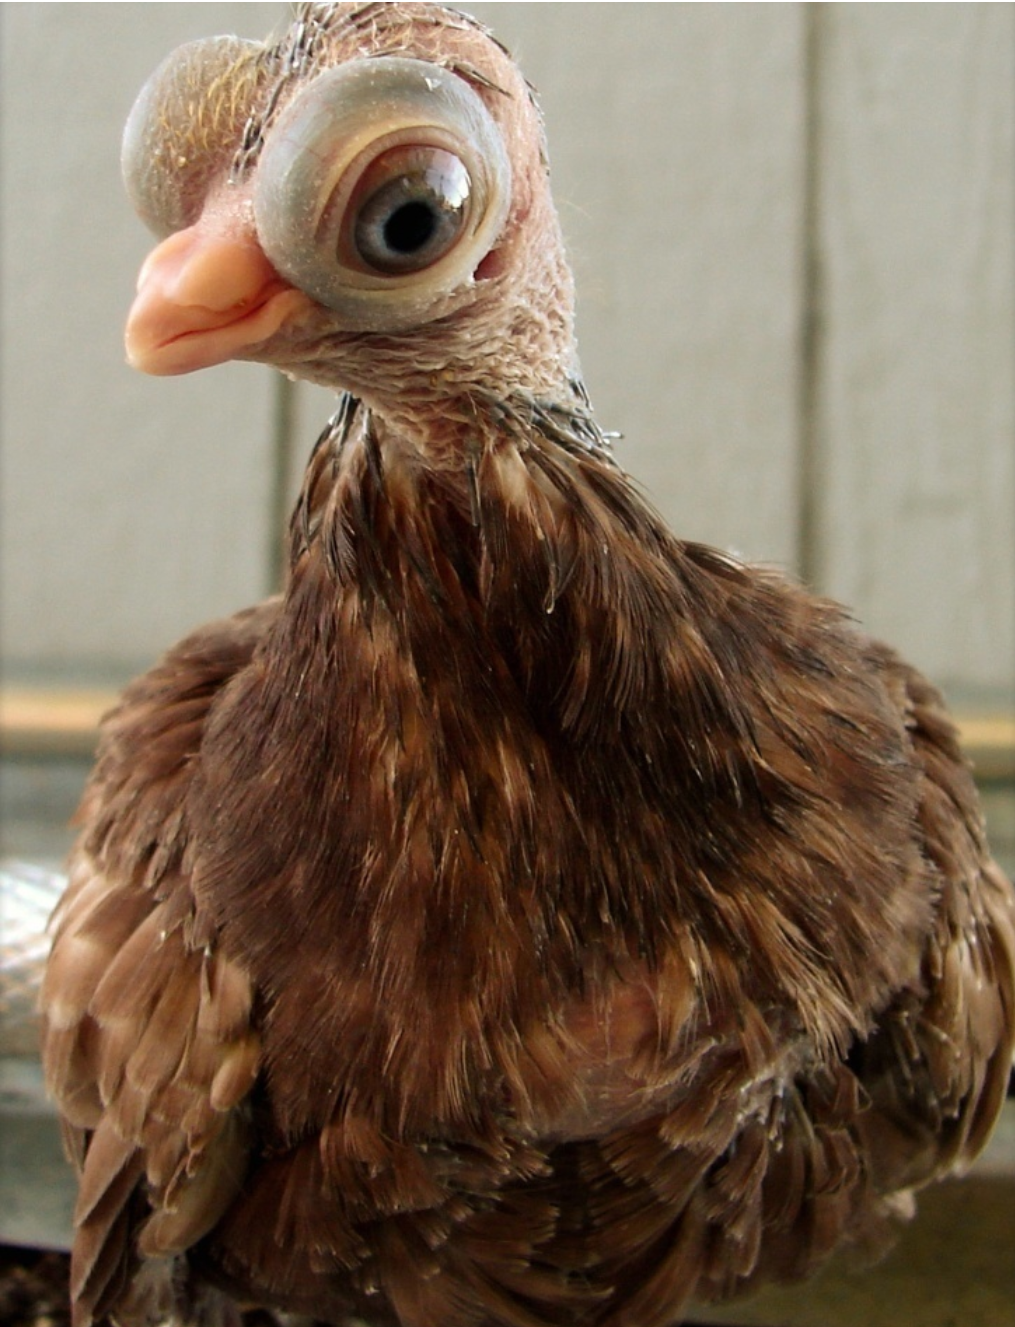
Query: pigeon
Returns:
{"type": "Point", "coordinates": [526, 918]}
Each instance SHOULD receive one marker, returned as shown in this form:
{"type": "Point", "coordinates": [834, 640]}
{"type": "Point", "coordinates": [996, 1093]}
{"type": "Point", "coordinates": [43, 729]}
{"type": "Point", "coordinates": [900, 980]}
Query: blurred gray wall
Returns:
{"type": "Point", "coordinates": [793, 233]}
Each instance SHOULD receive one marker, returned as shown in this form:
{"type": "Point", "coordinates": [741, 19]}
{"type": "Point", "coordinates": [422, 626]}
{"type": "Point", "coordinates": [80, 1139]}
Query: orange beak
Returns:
{"type": "Point", "coordinates": [203, 299]}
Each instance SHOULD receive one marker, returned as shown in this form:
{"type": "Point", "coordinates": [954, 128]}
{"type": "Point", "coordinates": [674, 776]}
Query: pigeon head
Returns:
{"type": "Point", "coordinates": [362, 202]}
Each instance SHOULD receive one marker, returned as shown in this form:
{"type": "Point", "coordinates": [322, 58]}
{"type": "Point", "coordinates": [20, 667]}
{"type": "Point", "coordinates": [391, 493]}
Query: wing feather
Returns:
{"type": "Point", "coordinates": [149, 1042]}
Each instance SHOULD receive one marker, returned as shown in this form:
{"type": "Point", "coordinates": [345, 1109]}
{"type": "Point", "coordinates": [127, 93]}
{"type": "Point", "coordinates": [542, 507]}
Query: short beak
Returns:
{"type": "Point", "coordinates": [203, 299]}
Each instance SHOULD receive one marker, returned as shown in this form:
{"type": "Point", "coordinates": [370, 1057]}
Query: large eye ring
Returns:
{"type": "Point", "coordinates": [381, 188]}
{"type": "Point", "coordinates": [170, 154]}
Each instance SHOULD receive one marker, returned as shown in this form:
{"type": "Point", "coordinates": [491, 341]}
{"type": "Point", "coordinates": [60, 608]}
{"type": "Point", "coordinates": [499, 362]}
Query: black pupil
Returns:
{"type": "Point", "coordinates": [410, 227]}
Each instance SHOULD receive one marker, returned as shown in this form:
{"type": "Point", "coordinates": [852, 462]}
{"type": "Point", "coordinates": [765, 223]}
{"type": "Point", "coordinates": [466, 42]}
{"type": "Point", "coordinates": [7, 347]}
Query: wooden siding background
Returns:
{"type": "Point", "coordinates": [793, 229]}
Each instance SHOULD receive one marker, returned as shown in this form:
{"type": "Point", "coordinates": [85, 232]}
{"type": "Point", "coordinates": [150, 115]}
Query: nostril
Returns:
{"type": "Point", "coordinates": [224, 275]}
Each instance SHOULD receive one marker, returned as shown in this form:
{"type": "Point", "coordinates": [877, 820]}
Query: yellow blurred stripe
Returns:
{"type": "Point", "coordinates": [65, 720]}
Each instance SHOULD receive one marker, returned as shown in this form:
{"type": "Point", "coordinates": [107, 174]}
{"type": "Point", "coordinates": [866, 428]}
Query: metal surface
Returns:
{"type": "Point", "coordinates": [28, 895]}
{"type": "Point", "coordinates": [37, 1185]}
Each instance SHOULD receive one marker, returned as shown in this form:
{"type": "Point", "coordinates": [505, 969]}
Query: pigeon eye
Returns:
{"type": "Point", "coordinates": [180, 129]}
{"type": "Point", "coordinates": [381, 188]}
{"type": "Point", "coordinates": [408, 210]}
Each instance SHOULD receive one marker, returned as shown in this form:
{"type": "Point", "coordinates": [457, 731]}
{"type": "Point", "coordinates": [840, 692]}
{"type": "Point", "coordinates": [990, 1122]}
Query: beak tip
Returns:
{"type": "Point", "coordinates": [138, 349]}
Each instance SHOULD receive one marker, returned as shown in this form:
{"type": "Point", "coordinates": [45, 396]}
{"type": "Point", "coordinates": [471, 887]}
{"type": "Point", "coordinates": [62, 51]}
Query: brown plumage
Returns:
{"type": "Point", "coordinates": [527, 918]}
